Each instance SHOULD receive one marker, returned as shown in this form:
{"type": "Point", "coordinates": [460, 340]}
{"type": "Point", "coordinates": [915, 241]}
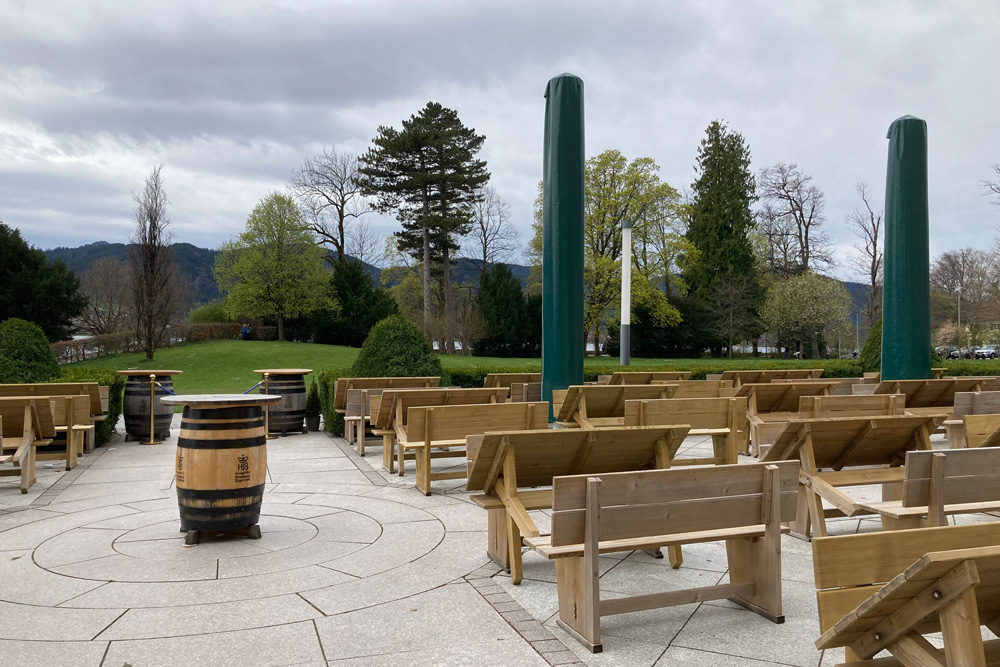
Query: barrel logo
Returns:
{"type": "Point", "coordinates": [180, 468]}
{"type": "Point", "coordinates": [243, 468]}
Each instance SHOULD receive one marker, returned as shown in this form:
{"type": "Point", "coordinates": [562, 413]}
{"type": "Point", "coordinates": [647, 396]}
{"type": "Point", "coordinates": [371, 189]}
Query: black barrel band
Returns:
{"type": "Point", "coordinates": [219, 494]}
{"type": "Point", "coordinates": [237, 443]}
{"type": "Point", "coordinates": [222, 426]}
{"type": "Point", "coordinates": [235, 412]}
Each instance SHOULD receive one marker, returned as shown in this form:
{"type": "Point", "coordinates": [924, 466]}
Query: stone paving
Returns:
{"type": "Point", "coordinates": [354, 567]}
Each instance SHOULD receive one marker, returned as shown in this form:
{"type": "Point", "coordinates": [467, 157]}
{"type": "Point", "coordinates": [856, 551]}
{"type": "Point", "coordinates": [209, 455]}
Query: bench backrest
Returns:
{"type": "Point", "coordinates": [343, 385]}
{"type": "Point", "coordinates": [930, 393]}
{"type": "Point", "coordinates": [833, 386]}
{"type": "Point", "coordinates": [763, 377]}
{"type": "Point", "coordinates": [667, 502]}
{"type": "Point", "coordinates": [541, 455]}
{"type": "Point", "coordinates": [976, 403]}
{"type": "Point", "coordinates": [394, 403]}
{"type": "Point", "coordinates": [355, 403]}
{"type": "Point", "coordinates": [456, 422]}
{"type": "Point", "coordinates": [507, 379]}
{"type": "Point", "coordinates": [522, 392]}
{"type": "Point", "coordinates": [815, 407]}
{"type": "Point", "coordinates": [848, 569]}
{"type": "Point", "coordinates": [647, 377]}
{"type": "Point", "coordinates": [702, 388]}
{"type": "Point", "coordinates": [14, 415]}
{"type": "Point", "coordinates": [70, 410]}
{"type": "Point", "coordinates": [608, 401]}
{"type": "Point", "coordinates": [698, 413]}
{"type": "Point", "coordinates": [968, 476]}
{"type": "Point", "coordinates": [771, 397]}
{"type": "Point", "coordinates": [12, 409]}
{"type": "Point", "coordinates": [981, 430]}
{"type": "Point", "coordinates": [90, 389]}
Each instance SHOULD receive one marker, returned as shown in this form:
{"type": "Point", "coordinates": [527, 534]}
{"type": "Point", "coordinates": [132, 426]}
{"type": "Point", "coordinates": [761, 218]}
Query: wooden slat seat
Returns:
{"type": "Point", "coordinates": [501, 465]}
{"type": "Point", "coordinates": [772, 405]}
{"type": "Point", "coordinates": [724, 419]}
{"type": "Point", "coordinates": [595, 406]}
{"type": "Point", "coordinates": [430, 428]}
{"type": "Point", "coordinates": [847, 451]}
{"type": "Point", "coordinates": [647, 377]}
{"type": "Point", "coordinates": [885, 583]}
{"type": "Point", "coordinates": [25, 423]}
{"type": "Point", "coordinates": [740, 378]}
{"type": "Point", "coordinates": [938, 484]}
{"type": "Point", "coordinates": [741, 504]}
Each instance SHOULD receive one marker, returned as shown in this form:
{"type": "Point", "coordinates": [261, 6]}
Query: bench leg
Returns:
{"type": "Point", "coordinates": [513, 539]}
{"type": "Point", "coordinates": [963, 643]}
{"type": "Point", "coordinates": [388, 450]}
{"type": "Point", "coordinates": [675, 556]}
{"type": "Point", "coordinates": [800, 526]}
{"type": "Point", "coordinates": [496, 537]}
{"type": "Point", "coordinates": [759, 560]}
{"type": "Point", "coordinates": [576, 586]}
{"type": "Point", "coordinates": [28, 468]}
{"type": "Point", "coordinates": [361, 439]}
{"type": "Point", "coordinates": [70, 449]}
{"type": "Point", "coordinates": [423, 463]}
{"type": "Point", "coordinates": [400, 457]}
{"type": "Point", "coordinates": [816, 515]}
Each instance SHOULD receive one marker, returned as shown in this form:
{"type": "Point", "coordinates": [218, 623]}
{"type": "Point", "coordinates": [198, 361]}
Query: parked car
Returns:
{"type": "Point", "coordinates": [987, 352]}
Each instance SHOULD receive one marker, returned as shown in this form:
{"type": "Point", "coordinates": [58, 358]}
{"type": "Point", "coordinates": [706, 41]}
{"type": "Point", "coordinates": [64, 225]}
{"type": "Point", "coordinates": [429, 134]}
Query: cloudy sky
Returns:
{"type": "Point", "coordinates": [230, 96]}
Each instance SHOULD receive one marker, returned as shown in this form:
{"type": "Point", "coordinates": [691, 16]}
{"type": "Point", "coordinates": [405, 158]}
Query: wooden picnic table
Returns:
{"type": "Point", "coordinates": [762, 377]}
{"type": "Point", "coordinates": [647, 377]}
{"type": "Point", "coordinates": [594, 406]}
{"type": "Point", "coordinates": [507, 379]}
{"type": "Point", "coordinates": [771, 405]}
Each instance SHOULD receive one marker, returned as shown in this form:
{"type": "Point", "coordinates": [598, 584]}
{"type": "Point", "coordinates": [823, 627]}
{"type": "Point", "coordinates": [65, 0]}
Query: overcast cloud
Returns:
{"type": "Point", "coordinates": [231, 96]}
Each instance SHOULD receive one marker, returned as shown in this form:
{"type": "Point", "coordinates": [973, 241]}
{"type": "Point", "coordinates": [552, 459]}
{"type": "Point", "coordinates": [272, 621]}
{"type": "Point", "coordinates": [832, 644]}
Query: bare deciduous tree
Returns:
{"type": "Point", "coordinates": [365, 244]}
{"type": "Point", "coordinates": [869, 255]}
{"type": "Point", "coordinates": [106, 286]}
{"type": "Point", "coordinates": [151, 269]}
{"type": "Point", "coordinates": [993, 185]}
{"type": "Point", "coordinates": [781, 250]}
{"type": "Point", "coordinates": [790, 194]}
{"type": "Point", "coordinates": [327, 187]}
{"type": "Point", "coordinates": [492, 239]}
{"type": "Point", "coordinates": [970, 277]}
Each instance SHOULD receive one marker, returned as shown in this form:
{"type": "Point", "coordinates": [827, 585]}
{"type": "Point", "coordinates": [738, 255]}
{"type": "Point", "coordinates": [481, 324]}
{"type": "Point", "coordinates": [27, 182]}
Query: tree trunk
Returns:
{"type": "Point", "coordinates": [427, 281]}
{"type": "Point", "coordinates": [756, 349]}
{"type": "Point", "coordinates": [281, 328]}
{"type": "Point", "coordinates": [446, 279]}
{"type": "Point", "coordinates": [814, 347]}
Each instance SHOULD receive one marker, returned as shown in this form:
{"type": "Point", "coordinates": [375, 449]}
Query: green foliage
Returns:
{"type": "Point", "coordinates": [871, 353]}
{"type": "Point", "coordinates": [333, 421]}
{"type": "Point", "coordinates": [32, 289]}
{"type": "Point", "coordinates": [396, 348]}
{"type": "Point", "coordinates": [115, 383]}
{"type": "Point", "coordinates": [274, 268]}
{"type": "Point", "coordinates": [313, 406]}
{"type": "Point", "coordinates": [806, 307]}
{"type": "Point", "coordinates": [25, 355]}
{"type": "Point", "coordinates": [210, 313]}
{"type": "Point", "coordinates": [503, 309]}
{"type": "Point", "coordinates": [361, 306]}
{"type": "Point", "coordinates": [533, 325]}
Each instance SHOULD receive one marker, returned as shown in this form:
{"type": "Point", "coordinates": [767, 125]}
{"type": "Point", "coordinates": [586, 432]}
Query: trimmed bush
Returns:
{"type": "Point", "coordinates": [871, 353]}
{"type": "Point", "coordinates": [326, 380]}
{"type": "Point", "coordinates": [313, 408]}
{"type": "Point", "coordinates": [396, 348]}
{"type": "Point", "coordinates": [25, 355]}
{"type": "Point", "coordinates": [110, 378]}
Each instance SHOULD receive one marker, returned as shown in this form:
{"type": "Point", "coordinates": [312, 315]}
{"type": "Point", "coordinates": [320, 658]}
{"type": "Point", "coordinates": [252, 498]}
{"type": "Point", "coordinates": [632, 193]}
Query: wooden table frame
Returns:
{"type": "Point", "coordinates": [596, 406]}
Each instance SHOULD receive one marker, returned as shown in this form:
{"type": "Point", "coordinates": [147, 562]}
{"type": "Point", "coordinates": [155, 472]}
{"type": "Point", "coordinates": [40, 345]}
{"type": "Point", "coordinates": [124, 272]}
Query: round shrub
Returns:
{"type": "Point", "coordinates": [396, 348]}
{"type": "Point", "coordinates": [25, 355]}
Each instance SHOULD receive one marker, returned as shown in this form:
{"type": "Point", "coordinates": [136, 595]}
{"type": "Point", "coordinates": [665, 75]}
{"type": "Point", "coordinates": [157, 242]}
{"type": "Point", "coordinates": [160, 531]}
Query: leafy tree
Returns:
{"type": "Point", "coordinates": [502, 306]}
{"type": "Point", "coordinates": [533, 325]}
{"type": "Point", "coordinates": [32, 289]}
{"type": "Point", "coordinates": [805, 307]}
{"type": "Point", "coordinates": [361, 306]}
{"type": "Point", "coordinates": [427, 173]}
{"type": "Point", "coordinates": [25, 355]}
{"type": "Point", "coordinates": [721, 221]}
{"type": "Point", "coordinates": [274, 268]}
{"type": "Point", "coordinates": [396, 348]}
{"type": "Point", "coordinates": [209, 313]}
{"type": "Point", "coordinates": [871, 353]}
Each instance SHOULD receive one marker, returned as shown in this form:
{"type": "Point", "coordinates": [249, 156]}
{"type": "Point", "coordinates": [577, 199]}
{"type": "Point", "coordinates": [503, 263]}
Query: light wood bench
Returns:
{"type": "Point", "coordinates": [647, 377]}
{"type": "Point", "coordinates": [71, 417]}
{"type": "Point", "coordinates": [445, 429]}
{"type": "Point", "coordinates": [525, 392]}
{"type": "Point", "coordinates": [771, 405]}
{"type": "Point", "coordinates": [835, 386]}
{"type": "Point", "coordinates": [981, 431]}
{"type": "Point", "coordinates": [725, 419]}
{"type": "Point", "coordinates": [844, 452]}
{"type": "Point", "coordinates": [886, 590]}
{"type": "Point", "coordinates": [744, 505]}
{"type": "Point", "coordinates": [969, 403]}
{"type": "Point", "coordinates": [740, 378]}
{"type": "Point", "coordinates": [595, 406]}
{"type": "Point", "coordinates": [937, 484]}
{"type": "Point", "coordinates": [508, 379]}
{"type": "Point", "coordinates": [343, 385]}
{"type": "Point", "coordinates": [931, 397]}
{"type": "Point", "coordinates": [503, 465]}
{"type": "Point", "coordinates": [702, 388]}
{"type": "Point", "coordinates": [25, 423]}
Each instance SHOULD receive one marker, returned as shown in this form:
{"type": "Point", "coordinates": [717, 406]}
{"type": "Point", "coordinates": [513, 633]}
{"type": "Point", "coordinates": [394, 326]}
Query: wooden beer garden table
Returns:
{"type": "Point", "coordinates": [221, 462]}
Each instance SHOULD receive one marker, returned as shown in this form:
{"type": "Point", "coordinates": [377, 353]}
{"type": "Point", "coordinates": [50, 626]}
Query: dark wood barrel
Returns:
{"type": "Point", "coordinates": [136, 408]}
{"type": "Point", "coordinates": [289, 413]}
{"type": "Point", "coordinates": [221, 467]}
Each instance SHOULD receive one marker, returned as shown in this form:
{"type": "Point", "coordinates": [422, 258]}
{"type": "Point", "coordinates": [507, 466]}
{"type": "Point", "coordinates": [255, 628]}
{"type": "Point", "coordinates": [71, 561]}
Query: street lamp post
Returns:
{"type": "Point", "coordinates": [625, 349]}
{"type": "Point", "coordinates": [958, 333]}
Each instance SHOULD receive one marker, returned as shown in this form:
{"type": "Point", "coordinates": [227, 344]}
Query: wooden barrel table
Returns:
{"type": "Point", "coordinates": [289, 383]}
{"type": "Point", "coordinates": [221, 462]}
{"type": "Point", "coordinates": [137, 404]}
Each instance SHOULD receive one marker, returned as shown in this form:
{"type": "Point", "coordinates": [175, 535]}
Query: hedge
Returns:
{"type": "Point", "coordinates": [333, 421]}
{"type": "Point", "coordinates": [110, 378]}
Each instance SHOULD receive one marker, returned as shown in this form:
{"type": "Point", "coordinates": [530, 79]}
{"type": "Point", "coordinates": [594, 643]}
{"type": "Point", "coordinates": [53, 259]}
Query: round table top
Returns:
{"type": "Point", "coordinates": [148, 373]}
{"type": "Point", "coordinates": [220, 400]}
{"type": "Point", "coordinates": [285, 371]}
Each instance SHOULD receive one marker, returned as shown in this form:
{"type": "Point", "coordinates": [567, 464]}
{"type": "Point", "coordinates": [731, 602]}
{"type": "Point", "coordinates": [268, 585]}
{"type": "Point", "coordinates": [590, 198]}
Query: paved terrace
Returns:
{"type": "Point", "coordinates": [355, 567]}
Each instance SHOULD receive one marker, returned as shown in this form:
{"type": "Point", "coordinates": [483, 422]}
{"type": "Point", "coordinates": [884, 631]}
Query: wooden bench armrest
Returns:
{"type": "Point", "coordinates": [543, 545]}
{"type": "Point", "coordinates": [420, 444]}
{"type": "Point", "coordinates": [530, 500]}
{"type": "Point", "coordinates": [709, 431]}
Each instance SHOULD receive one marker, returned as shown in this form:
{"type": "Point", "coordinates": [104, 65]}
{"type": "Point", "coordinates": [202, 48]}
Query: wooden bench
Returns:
{"type": "Point", "coordinates": [937, 484]}
{"type": "Point", "coordinates": [725, 419]}
{"type": "Point", "coordinates": [445, 428]}
{"type": "Point", "coordinates": [931, 397]}
{"type": "Point", "coordinates": [702, 388]}
{"type": "Point", "coordinates": [969, 403]}
{"type": "Point", "coordinates": [772, 405]}
{"type": "Point", "coordinates": [823, 407]}
{"type": "Point", "coordinates": [389, 412]}
{"type": "Point", "coordinates": [842, 452]}
{"type": "Point", "coordinates": [886, 590]}
{"type": "Point", "coordinates": [525, 392]}
{"type": "Point", "coordinates": [740, 378]}
{"type": "Point", "coordinates": [741, 504]}
{"type": "Point", "coordinates": [508, 379]}
{"type": "Point", "coordinates": [835, 386]}
{"type": "Point", "coordinates": [595, 406]}
{"type": "Point", "coordinates": [25, 423]}
{"type": "Point", "coordinates": [344, 385]}
{"type": "Point", "coordinates": [981, 431]}
{"type": "Point", "coordinates": [502, 465]}
{"type": "Point", "coordinates": [647, 377]}
{"type": "Point", "coordinates": [71, 418]}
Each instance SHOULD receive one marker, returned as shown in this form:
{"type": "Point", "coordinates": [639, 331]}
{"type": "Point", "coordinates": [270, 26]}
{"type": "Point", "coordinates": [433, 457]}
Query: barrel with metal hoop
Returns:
{"type": "Point", "coordinates": [136, 408]}
{"type": "Point", "coordinates": [289, 383]}
{"type": "Point", "coordinates": [221, 462]}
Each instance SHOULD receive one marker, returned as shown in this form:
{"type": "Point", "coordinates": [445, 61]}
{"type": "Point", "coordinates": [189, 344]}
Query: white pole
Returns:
{"type": "Point", "coordinates": [625, 351]}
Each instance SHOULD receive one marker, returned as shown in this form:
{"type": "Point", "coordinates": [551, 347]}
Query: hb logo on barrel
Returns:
{"type": "Point", "coordinates": [180, 467]}
{"type": "Point", "coordinates": [243, 468]}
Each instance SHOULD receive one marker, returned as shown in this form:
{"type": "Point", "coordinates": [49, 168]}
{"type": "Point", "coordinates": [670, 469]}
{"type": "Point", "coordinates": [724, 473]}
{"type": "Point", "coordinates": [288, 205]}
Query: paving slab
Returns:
{"type": "Point", "coordinates": [51, 653]}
